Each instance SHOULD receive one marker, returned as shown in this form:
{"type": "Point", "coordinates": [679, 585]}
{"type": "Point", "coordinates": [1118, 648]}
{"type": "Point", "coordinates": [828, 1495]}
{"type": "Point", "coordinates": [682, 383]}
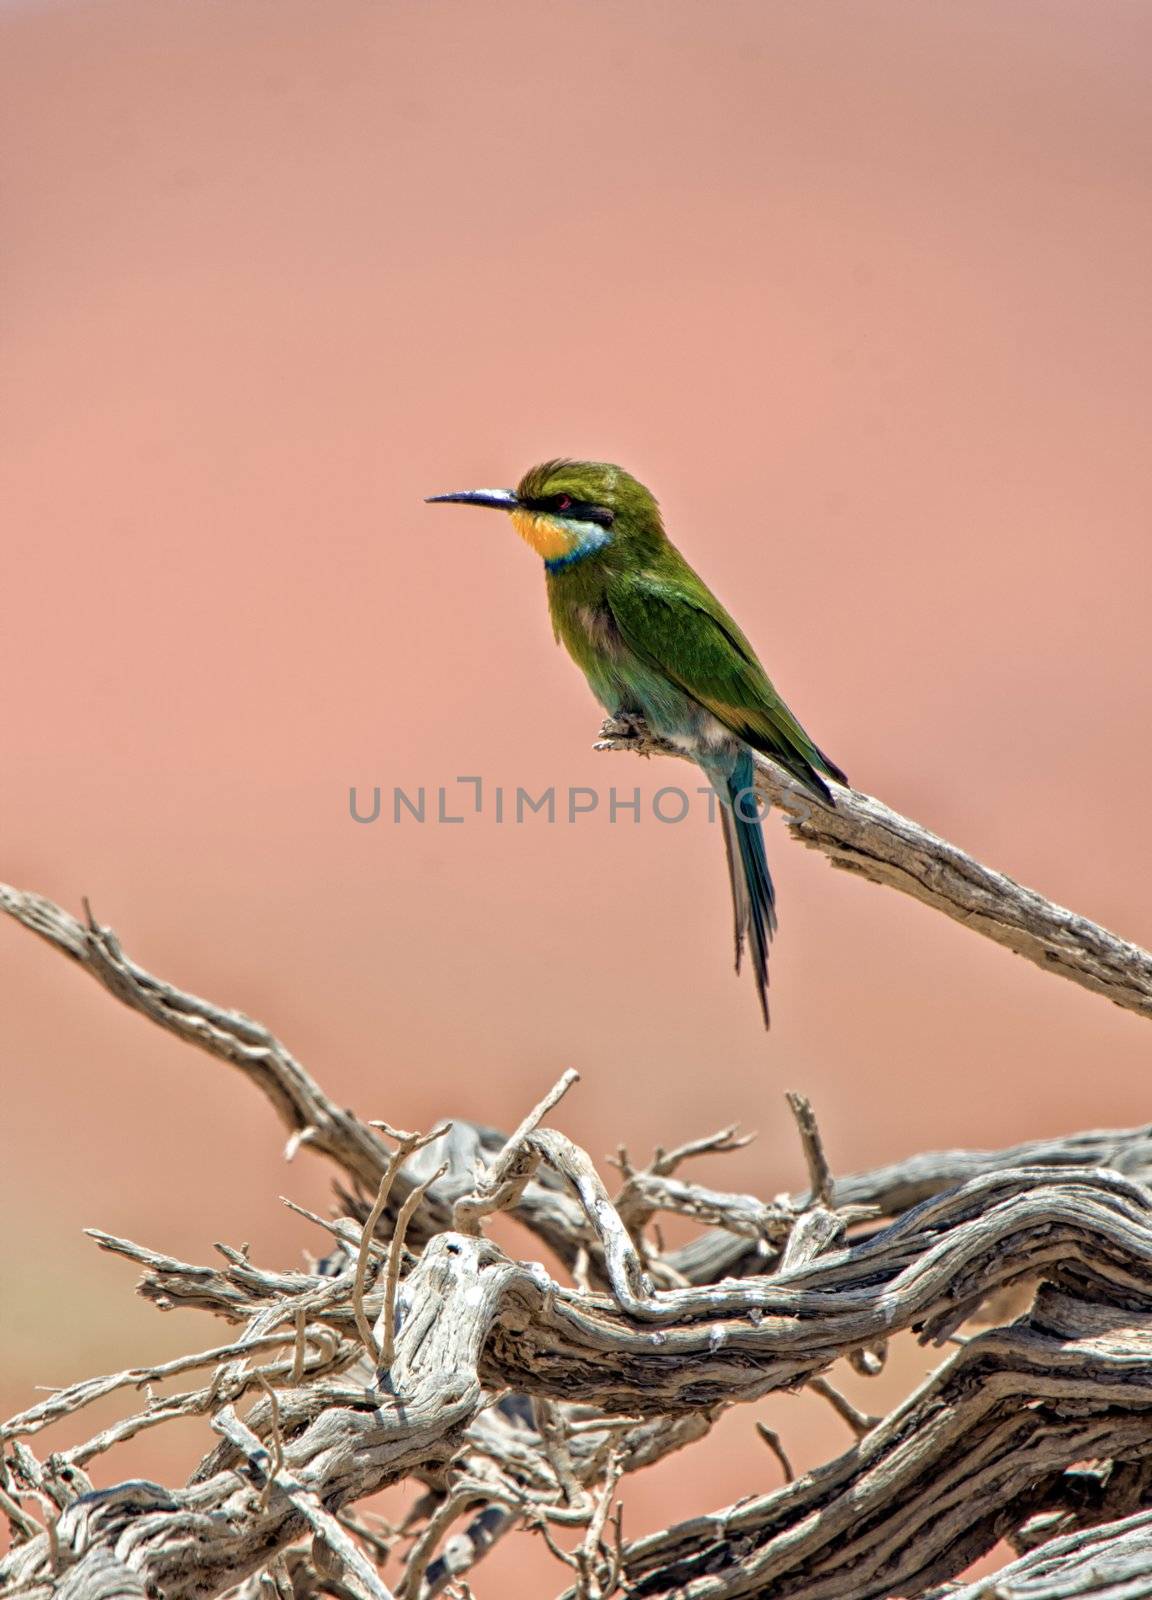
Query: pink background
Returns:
{"type": "Point", "coordinates": [860, 290]}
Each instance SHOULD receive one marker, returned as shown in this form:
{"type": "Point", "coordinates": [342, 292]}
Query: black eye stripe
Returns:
{"type": "Point", "coordinates": [579, 510]}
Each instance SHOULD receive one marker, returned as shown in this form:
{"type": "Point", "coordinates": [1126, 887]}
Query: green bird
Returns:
{"type": "Point", "coordinates": [654, 642]}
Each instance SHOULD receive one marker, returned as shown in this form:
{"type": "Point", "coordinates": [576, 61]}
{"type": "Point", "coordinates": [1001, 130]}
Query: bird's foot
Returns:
{"type": "Point", "coordinates": [624, 731]}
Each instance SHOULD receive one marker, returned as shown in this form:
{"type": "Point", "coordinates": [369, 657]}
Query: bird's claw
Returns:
{"type": "Point", "coordinates": [623, 731]}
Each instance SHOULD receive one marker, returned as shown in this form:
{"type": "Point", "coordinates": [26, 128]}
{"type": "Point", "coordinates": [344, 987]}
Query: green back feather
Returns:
{"type": "Point", "coordinates": [667, 615]}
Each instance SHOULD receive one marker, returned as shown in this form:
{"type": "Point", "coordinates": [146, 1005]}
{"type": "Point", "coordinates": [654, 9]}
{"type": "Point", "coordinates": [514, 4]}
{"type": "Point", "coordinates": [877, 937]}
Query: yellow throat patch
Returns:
{"type": "Point", "coordinates": [546, 535]}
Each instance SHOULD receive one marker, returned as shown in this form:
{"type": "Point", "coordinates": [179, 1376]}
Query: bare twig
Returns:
{"type": "Point", "coordinates": [274, 1429]}
{"type": "Point", "coordinates": [819, 1172]}
{"type": "Point", "coordinates": [889, 1191]}
{"type": "Point", "coordinates": [67, 1401]}
{"type": "Point", "coordinates": [453, 1505]}
{"type": "Point", "coordinates": [386, 1326]}
{"type": "Point", "coordinates": [859, 1421]}
{"type": "Point", "coordinates": [551, 1431]}
{"type": "Point", "coordinates": [598, 1570]}
{"type": "Point", "coordinates": [635, 1203]}
{"type": "Point", "coordinates": [772, 1439]}
{"type": "Point", "coordinates": [407, 1144]}
{"type": "Point", "coordinates": [379, 1542]}
{"type": "Point", "coordinates": [25, 1525]}
{"type": "Point", "coordinates": [506, 1176]}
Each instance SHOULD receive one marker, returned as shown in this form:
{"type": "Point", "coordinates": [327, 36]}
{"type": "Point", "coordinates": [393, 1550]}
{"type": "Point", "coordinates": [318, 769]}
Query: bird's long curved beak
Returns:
{"type": "Point", "coordinates": [498, 499]}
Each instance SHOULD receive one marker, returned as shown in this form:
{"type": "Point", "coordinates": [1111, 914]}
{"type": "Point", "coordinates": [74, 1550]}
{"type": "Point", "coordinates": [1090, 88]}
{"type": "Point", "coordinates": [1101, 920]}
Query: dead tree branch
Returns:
{"type": "Point", "coordinates": [518, 1402]}
{"type": "Point", "coordinates": [1113, 1562]}
{"type": "Point", "coordinates": [472, 1320]}
{"type": "Point", "coordinates": [305, 1110]}
{"type": "Point", "coordinates": [862, 835]}
{"type": "Point", "coordinates": [983, 1445]}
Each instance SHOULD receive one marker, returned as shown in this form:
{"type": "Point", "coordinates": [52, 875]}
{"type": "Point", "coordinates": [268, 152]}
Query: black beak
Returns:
{"type": "Point", "coordinates": [498, 499]}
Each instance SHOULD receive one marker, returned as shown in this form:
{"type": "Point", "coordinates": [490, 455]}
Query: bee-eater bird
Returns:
{"type": "Point", "coordinates": [653, 641]}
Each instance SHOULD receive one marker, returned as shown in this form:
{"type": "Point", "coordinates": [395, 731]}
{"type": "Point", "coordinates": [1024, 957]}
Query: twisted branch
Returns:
{"type": "Point", "coordinates": [518, 1401]}
{"type": "Point", "coordinates": [984, 1444]}
{"type": "Point", "coordinates": [471, 1319]}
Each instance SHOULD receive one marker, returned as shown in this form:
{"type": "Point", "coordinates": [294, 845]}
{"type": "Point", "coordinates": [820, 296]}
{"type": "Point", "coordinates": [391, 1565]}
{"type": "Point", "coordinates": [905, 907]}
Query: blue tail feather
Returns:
{"type": "Point", "coordinates": [753, 897]}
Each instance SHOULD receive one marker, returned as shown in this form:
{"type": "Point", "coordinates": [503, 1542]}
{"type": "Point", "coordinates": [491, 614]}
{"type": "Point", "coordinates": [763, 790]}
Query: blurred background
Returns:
{"type": "Point", "coordinates": [860, 291]}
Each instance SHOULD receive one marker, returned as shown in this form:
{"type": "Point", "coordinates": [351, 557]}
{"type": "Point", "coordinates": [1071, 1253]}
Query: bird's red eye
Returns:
{"type": "Point", "coordinates": [563, 502]}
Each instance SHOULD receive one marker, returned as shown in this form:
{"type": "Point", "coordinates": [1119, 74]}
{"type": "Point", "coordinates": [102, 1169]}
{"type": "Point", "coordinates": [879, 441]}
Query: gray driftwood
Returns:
{"type": "Point", "coordinates": [417, 1349]}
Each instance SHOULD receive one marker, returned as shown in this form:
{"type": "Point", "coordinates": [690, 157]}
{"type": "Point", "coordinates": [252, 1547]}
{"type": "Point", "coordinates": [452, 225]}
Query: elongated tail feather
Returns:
{"type": "Point", "coordinates": [753, 897]}
{"type": "Point", "coordinates": [741, 909]}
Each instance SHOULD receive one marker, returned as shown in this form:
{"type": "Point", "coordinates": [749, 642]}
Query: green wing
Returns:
{"type": "Point", "coordinates": [675, 624]}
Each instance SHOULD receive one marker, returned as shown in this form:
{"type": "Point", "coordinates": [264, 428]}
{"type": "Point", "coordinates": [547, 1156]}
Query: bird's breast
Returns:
{"type": "Point", "coordinates": [599, 626]}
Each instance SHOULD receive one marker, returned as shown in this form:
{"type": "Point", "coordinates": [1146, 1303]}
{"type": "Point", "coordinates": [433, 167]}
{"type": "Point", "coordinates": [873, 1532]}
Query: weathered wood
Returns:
{"type": "Point", "coordinates": [1113, 1562]}
{"type": "Point", "coordinates": [981, 1446]}
{"type": "Point", "coordinates": [862, 835]}
{"type": "Point", "coordinates": [473, 1319]}
{"type": "Point", "coordinates": [1036, 1432]}
{"type": "Point", "coordinates": [310, 1116]}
